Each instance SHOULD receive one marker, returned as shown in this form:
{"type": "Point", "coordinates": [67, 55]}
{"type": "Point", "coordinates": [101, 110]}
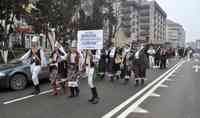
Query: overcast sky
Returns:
{"type": "Point", "coordinates": [185, 12]}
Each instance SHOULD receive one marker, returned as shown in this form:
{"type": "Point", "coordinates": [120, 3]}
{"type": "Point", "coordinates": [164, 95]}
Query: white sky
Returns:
{"type": "Point", "coordinates": [185, 12]}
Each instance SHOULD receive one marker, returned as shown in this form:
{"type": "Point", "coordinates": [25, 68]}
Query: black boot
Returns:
{"type": "Point", "coordinates": [93, 95]}
{"type": "Point", "coordinates": [37, 90]}
{"type": "Point", "coordinates": [136, 82]}
{"type": "Point", "coordinates": [96, 97]}
{"type": "Point", "coordinates": [77, 91]}
{"type": "Point", "coordinates": [126, 81]}
{"type": "Point", "coordinates": [142, 81]}
{"type": "Point", "coordinates": [71, 92]}
{"type": "Point", "coordinates": [102, 76]}
{"type": "Point", "coordinates": [111, 78]}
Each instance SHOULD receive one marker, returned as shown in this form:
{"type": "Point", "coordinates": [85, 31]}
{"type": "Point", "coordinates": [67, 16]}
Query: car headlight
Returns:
{"type": "Point", "coordinates": [2, 74]}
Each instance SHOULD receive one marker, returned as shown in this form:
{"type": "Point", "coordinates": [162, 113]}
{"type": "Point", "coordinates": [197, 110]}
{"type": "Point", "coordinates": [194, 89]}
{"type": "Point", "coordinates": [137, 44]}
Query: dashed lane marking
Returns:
{"type": "Point", "coordinates": [26, 97]}
{"type": "Point", "coordinates": [136, 104]}
{"type": "Point", "coordinates": [163, 86]}
{"type": "Point", "coordinates": [140, 110]}
{"type": "Point", "coordinates": [155, 95]}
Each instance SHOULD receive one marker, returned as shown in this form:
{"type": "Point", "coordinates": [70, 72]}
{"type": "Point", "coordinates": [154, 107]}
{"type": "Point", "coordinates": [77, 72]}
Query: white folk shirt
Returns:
{"type": "Point", "coordinates": [72, 58]}
{"type": "Point", "coordinates": [112, 52]}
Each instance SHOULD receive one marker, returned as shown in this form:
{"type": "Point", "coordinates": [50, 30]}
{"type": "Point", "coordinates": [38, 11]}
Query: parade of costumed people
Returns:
{"type": "Point", "coordinates": [68, 67]}
{"type": "Point", "coordinates": [35, 56]}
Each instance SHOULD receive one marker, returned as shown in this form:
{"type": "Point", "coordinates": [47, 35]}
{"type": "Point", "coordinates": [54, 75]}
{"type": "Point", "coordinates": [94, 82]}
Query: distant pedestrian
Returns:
{"type": "Point", "coordinates": [151, 53]}
{"type": "Point", "coordinates": [163, 57]}
{"type": "Point", "coordinates": [157, 57]}
{"type": "Point", "coordinates": [111, 57]}
{"type": "Point", "coordinates": [102, 64]}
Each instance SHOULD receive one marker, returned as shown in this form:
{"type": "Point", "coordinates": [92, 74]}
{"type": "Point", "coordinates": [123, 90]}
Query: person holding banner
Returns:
{"type": "Point", "coordinates": [90, 69]}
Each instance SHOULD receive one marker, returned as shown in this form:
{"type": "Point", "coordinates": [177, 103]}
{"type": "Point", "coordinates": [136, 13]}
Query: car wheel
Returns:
{"type": "Point", "coordinates": [18, 82]}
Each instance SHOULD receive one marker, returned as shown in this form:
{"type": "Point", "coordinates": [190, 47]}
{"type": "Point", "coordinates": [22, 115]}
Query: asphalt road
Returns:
{"type": "Point", "coordinates": [179, 100]}
{"type": "Point", "coordinates": [111, 95]}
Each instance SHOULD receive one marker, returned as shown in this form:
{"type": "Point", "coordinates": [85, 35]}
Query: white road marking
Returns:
{"type": "Point", "coordinates": [30, 96]}
{"type": "Point", "coordinates": [129, 100]}
{"type": "Point", "coordinates": [145, 96]}
{"type": "Point", "coordinates": [172, 76]}
{"type": "Point", "coordinates": [163, 86]}
{"type": "Point", "coordinates": [196, 67]}
{"type": "Point", "coordinates": [169, 80]}
{"type": "Point", "coordinates": [27, 97]}
{"type": "Point", "coordinates": [155, 95]}
{"type": "Point", "coordinates": [140, 110]}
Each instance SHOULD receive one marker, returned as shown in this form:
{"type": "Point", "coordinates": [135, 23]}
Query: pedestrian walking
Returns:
{"type": "Point", "coordinates": [151, 54]}
{"type": "Point", "coordinates": [36, 58]}
{"type": "Point", "coordinates": [127, 66]}
{"type": "Point", "coordinates": [111, 61]}
{"type": "Point", "coordinates": [157, 58]}
{"type": "Point", "coordinates": [140, 65]}
{"type": "Point", "coordinates": [102, 64]}
{"type": "Point", "coordinates": [163, 56]}
{"type": "Point", "coordinates": [117, 64]}
{"type": "Point", "coordinates": [90, 65]}
{"type": "Point", "coordinates": [57, 68]}
{"type": "Point", "coordinates": [73, 73]}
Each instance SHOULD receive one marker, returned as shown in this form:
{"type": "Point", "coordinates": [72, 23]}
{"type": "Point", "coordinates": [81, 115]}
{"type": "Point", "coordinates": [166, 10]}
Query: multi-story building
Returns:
{"type": "Point", "coordinates": [129, 20]}
{"type": "Point", "coordinates": [140, 20]}
{"type": "Point", "coordinates": [198, 44]}
{"type": "Point", "coordinates": [152, 22]}
{"type": "Point", "coordinates": [175, 34]}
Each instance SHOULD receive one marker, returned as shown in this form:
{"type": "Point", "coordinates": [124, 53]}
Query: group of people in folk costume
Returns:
{"type": "Point", "coordinates": [67, 68]}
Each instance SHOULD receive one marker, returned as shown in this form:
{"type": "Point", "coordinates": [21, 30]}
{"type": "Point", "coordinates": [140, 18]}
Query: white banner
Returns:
{"type": "Point", "coordinates": [90, 39]}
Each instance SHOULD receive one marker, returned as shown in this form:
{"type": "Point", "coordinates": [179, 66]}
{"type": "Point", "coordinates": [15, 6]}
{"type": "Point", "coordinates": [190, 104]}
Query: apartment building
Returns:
{"type": "Point", "coordinates": [152, 22]}
{"type": "Point", "coordinates": [175, 34]}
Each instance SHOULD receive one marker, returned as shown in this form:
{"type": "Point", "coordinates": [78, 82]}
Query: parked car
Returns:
{"type": "Point", "coordinates": [16, 75]}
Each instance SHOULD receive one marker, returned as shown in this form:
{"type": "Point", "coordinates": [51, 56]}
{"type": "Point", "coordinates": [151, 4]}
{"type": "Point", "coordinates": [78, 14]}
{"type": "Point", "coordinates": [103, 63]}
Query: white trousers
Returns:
{"type": "Point", "coordinates": [151, 61]}
{"type": "Point", "coordinates": [90, 77]}
{"type": "Point", "coordinates": [35, 70]}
